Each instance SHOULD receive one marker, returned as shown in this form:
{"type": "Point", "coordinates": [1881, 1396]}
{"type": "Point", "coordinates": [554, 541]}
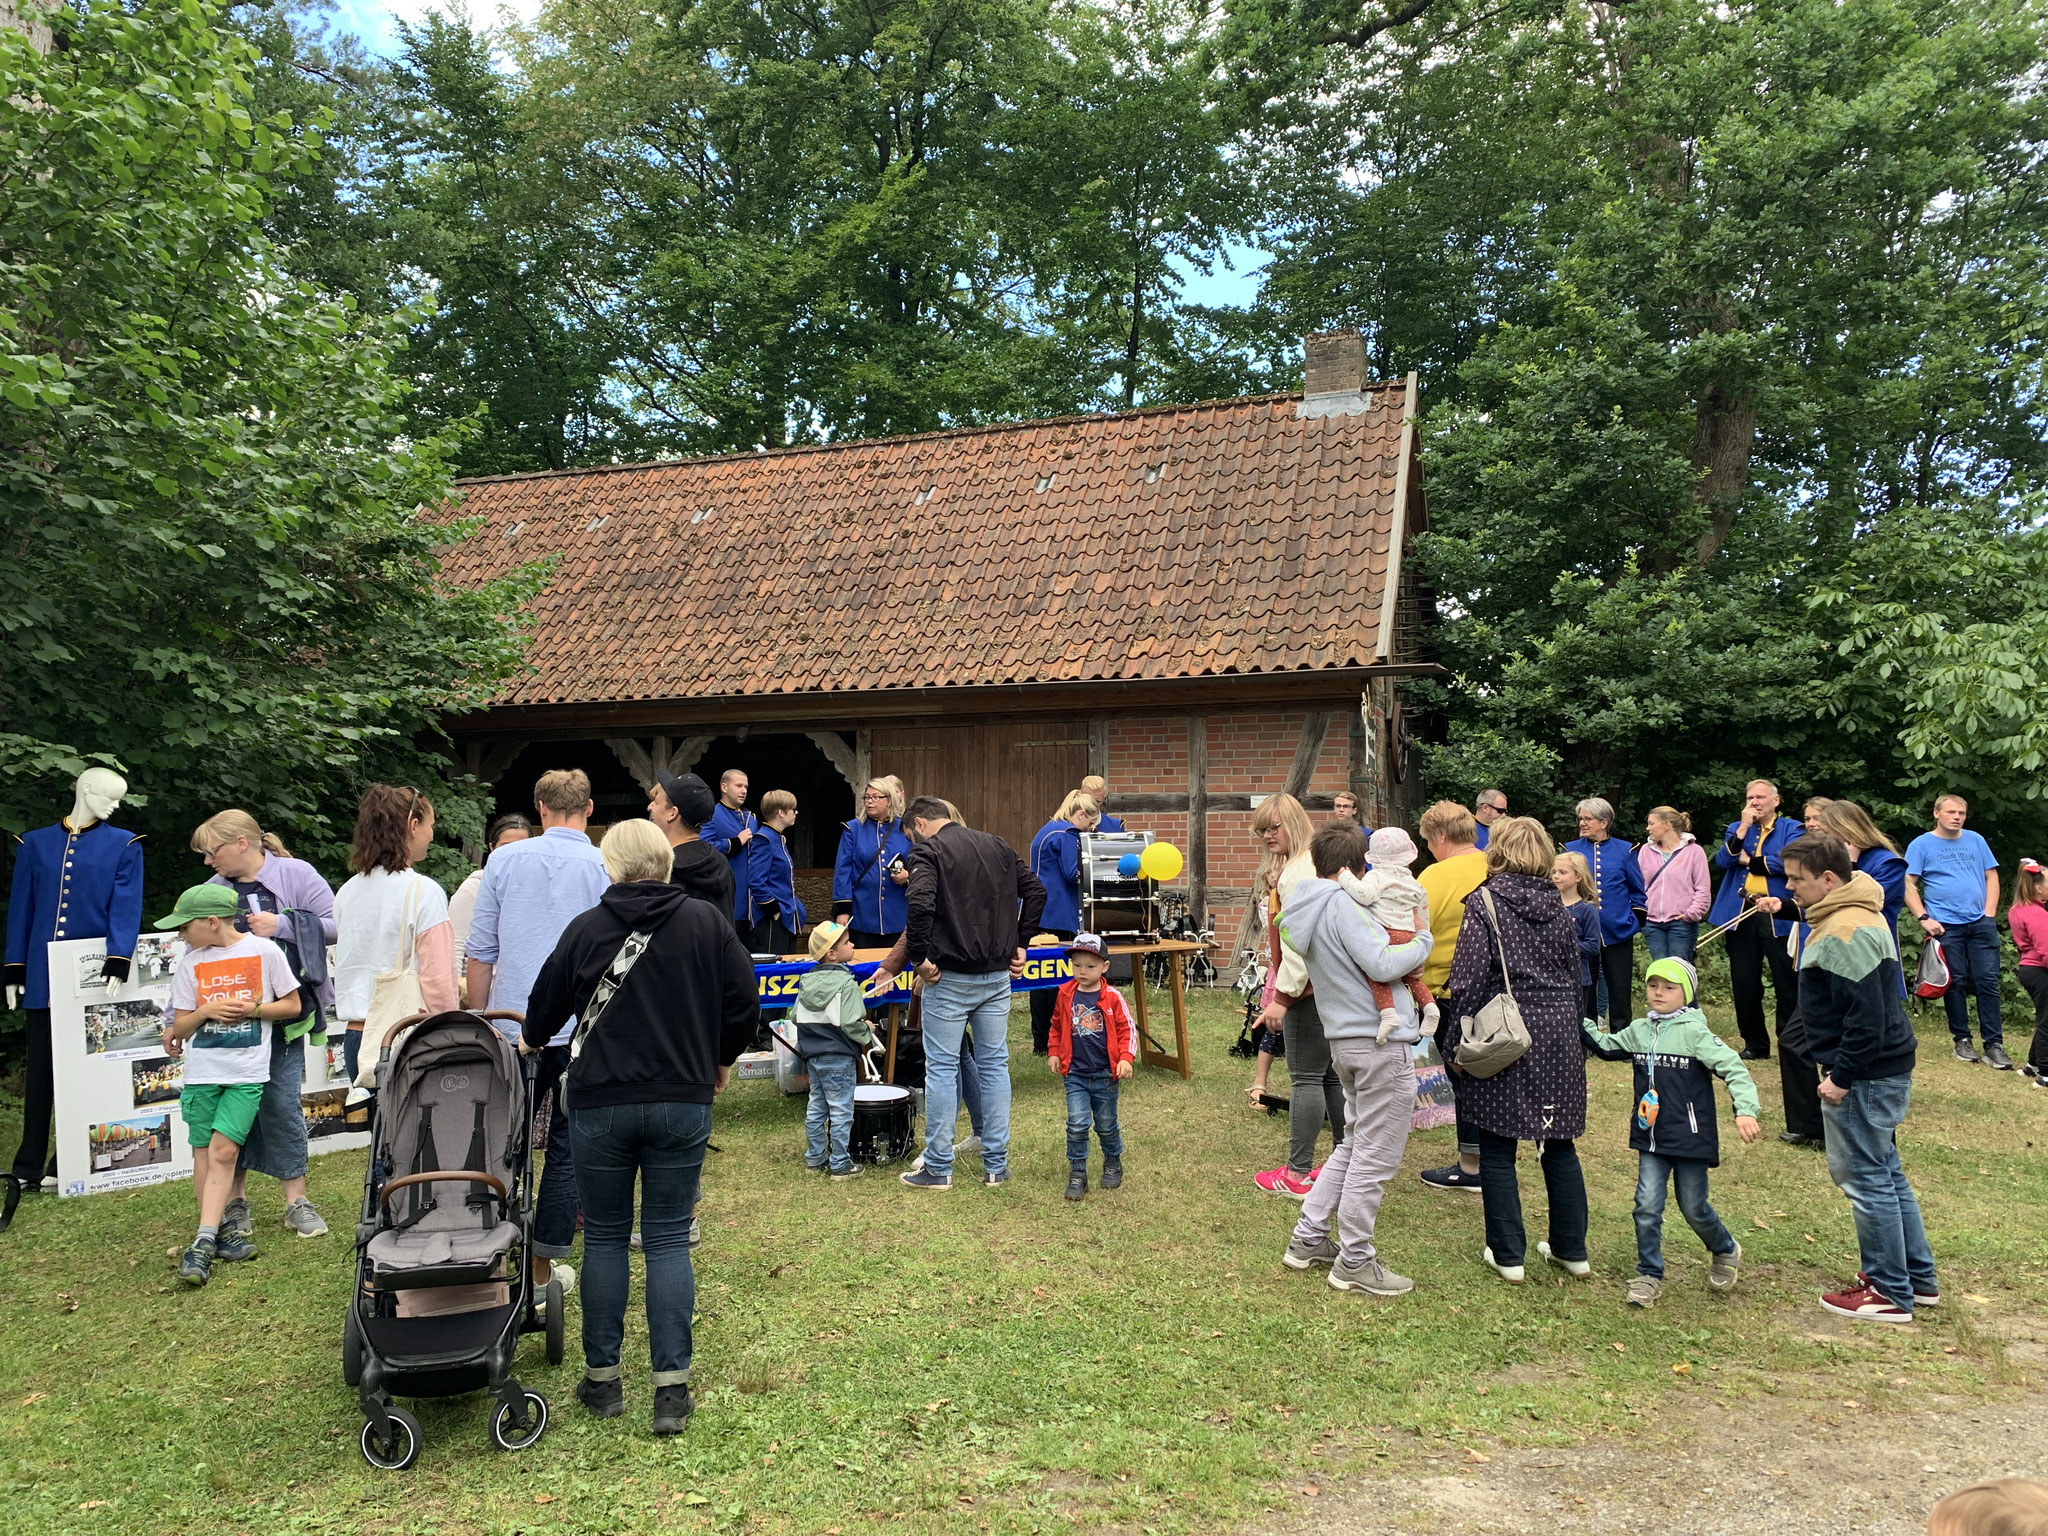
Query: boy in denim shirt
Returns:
{"type": "Point", "coordinates": [1090, 1044]}
{"type": "Point", "coordinates": [831, 1027]}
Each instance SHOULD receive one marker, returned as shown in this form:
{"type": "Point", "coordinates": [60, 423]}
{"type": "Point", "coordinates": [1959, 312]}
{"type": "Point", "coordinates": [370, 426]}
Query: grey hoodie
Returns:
{"type": "Point", "coordinates": [1342, 946]}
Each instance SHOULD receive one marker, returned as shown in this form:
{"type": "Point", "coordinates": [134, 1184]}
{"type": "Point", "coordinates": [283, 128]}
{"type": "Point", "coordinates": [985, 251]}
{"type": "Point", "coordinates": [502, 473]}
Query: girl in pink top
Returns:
{"type": "Point", "coordinates": [1676, 893]}
{"type": "Point", "coordinates": [2028, 918]}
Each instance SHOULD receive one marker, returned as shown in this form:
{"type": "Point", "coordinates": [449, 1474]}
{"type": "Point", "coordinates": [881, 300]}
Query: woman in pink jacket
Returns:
{"type": "Point", "coordinates": [2028, 918]}
{"type": "Point", "coordinates": [1676, 894]}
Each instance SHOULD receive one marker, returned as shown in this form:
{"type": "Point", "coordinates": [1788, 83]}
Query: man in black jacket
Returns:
{"type": "Point", "coordinates": [680, 805]}
{"type": "Point", "coordinates": [972, 901]}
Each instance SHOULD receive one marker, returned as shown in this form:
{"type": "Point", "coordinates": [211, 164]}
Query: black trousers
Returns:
{"type": "Point", "coordinates": [1618, 965]}
{"type": "Point", "coordinates": [1751, 944]}
{"type": "Point", "coordinates": [39, 1103]}
{"type": "Point", "coordinates": [2035, 979]}
{"type": "Point", "coordinates": [769, 937]}
{"type": "Point", "coordinates": [1042, 1002]}
{"type": "Point", "coordinates": [865, 939]}
{"type": "Point", "coordinates": [1799, 1079]}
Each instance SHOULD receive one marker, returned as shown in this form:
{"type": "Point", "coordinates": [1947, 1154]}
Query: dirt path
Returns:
{"type": "Point", "coordinates": [1775, 1469]}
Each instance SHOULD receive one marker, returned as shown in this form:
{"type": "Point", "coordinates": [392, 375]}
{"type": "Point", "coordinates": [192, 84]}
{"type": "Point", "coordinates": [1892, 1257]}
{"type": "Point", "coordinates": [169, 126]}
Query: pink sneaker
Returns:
{"type": "Point", "coordinates": [1278, 1181]}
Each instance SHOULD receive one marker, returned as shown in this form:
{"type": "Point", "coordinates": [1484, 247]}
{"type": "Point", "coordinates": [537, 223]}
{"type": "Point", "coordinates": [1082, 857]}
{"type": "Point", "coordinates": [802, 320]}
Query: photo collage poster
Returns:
{"type": "Point", "coordinates": [117, 1091]}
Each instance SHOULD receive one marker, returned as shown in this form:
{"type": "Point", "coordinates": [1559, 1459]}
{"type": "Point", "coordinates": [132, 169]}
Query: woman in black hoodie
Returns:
{"type": "Point", "coordinates": [639, 1096]}
{"type": "Point", "coordinates": [1540, 1097]}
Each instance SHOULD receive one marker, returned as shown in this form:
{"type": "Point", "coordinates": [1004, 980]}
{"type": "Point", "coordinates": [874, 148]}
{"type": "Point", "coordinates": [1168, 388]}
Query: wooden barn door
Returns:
{"type": "Point", "coordinates": [1006, 779]}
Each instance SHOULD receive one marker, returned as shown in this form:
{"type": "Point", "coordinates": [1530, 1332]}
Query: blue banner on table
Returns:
{"type": "Point", "coordinates": [777, 982]}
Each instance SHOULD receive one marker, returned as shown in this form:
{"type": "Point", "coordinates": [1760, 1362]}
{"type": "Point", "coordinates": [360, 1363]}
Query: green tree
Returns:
{"type": "Point", "coordinates": [218, 573]}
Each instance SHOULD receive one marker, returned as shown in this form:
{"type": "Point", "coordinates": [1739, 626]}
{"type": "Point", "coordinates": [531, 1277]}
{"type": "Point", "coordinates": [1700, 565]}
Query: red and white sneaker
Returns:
{"type": "Point", "coordinates": [1278, 1181]}
{"type": "Point", "coordinates": [1920, 1298]}
{"type": "Point", "coordinates": [1865, 1305]}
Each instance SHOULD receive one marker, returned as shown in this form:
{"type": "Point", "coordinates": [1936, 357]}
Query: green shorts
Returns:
{"type": "Point", "coordinates": [229, 1108]}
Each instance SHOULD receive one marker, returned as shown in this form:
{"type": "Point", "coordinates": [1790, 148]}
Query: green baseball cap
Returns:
{"type": "Point", "coordinates": [208, 900]}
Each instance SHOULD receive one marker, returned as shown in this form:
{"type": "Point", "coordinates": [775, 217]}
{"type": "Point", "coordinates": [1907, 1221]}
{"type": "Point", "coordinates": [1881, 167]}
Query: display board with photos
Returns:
{"type": "Point", "coordinates": [117, 1091]}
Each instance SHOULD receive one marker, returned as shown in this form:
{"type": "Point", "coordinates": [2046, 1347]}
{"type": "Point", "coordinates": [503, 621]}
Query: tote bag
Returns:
{"type": "Point", "coordinates": [1495, 1037]}
{"type": "Point", "coordinates": [394, 994]}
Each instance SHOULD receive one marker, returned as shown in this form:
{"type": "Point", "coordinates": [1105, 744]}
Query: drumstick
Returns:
{"type": "Point", "coordinates": [1716, 933]}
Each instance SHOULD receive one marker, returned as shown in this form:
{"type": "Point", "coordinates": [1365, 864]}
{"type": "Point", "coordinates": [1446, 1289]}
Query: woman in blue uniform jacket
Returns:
{"type": "Point", "coordinates": [868, 879]}
{"type": "Point", "coordinates": [1056, 860]}
{"type": "Point", "coordinates": [771, 878]}
{"type": "Point", "coordinates": [1874, 854]}
{"type": "Point", "coordinates": [1619, 879]}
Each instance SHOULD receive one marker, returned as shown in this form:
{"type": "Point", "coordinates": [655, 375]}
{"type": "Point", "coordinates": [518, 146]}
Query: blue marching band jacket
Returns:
{"type": "Point", "coordinates": [1765, 841]}
{"type": "Point", "coordinates": [862, 891]}
{"type": "Point", "coordinates": [722, 832]}
{"type": "Point", "coordinates": [1056, 860]}
{"type": "Point", "coordinates": [72, 885]}
{"type": "Point", "coordinates": [772, 875]}
{"type": "Point", "coordinates": [1618, 879]}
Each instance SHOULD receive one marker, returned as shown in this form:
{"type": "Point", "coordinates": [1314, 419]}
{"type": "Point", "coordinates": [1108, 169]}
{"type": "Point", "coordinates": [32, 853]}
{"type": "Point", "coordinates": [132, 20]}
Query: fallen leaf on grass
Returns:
{"type": "Point", "coordinates": [1620, 1348]}
{"type": "Point", "coordinates": [1850, 1402]}
{"type": "Point", "coordinates": [1474, 1455]}
{"type": "Point", "coordinates": [1039, 1290]}
{"type": "Point", "coordinates": [1759, 1223]}
{"type": "Point", "coordinates": [1683, 1368]}
{"type": "Point", "coordinates": [543, 1498]}
{"type": "Point", "coordinates": [1311, 1490]}
{"type": "Point", "coordinates": [94, 1504]}
{"type": "Point", "coordinates": [1807, 1237]}
{"type": "Point", "coordinates": [35, 1397]}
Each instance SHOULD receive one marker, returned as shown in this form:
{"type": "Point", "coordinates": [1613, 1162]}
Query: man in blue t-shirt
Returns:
{"type": "Point", "coordinates": [1952, 888]}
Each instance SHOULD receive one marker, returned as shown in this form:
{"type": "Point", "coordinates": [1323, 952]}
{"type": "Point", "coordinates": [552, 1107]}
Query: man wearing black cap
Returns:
{"type": "Point", "coordinates": [679, 806]}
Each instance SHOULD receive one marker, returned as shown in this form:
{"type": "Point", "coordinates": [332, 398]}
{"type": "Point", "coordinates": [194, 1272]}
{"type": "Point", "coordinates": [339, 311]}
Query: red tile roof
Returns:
{"type": "Point", "coordinates": [1230, 537]}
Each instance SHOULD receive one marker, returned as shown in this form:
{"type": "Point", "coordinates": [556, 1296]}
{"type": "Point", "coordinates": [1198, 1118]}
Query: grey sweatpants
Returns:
{"type": "Point", "coordinates": [1379, 1103]}
{"type": "Point", "coordinates": [1313, 1093]}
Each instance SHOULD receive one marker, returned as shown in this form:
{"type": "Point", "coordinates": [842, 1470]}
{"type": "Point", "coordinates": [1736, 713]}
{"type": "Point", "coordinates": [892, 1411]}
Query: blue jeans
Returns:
{"type": "Point", "coordinates": [1863, 1158]}
{"type": "Point", "coordinates": [1092, 1095]}
{"type": "Point", "coordinates": [1654, 1175]}
{"type": "Point", "coordinates": [277, 1141]}
{"type": "Point", "coordinates": [970, 1084]}
{"type": "Point", "coordinates": [952, 1005]}
{"type": "Point", "coordinates": [663, 1144]}
{"type": "Point", "coordinates": [1500, 1194]}
{"type": "Point", "coordinates": [829, 1121]}
{"type": "Point", "coordinates": [554, 1208]}
{"type": "Point", "coordinates": [1971, 950]}
{"type": "Point", "coordinates": [1677, 938]}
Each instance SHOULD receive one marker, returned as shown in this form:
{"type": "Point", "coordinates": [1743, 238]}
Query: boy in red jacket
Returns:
{"type": "Point", "coordinates": [1091, 1045]}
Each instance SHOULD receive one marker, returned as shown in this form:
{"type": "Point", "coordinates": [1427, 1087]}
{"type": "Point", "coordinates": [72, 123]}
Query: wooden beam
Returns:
{"type": "Point", "coordinates": [1390, 594]}
{"type": "Point", "coordinates": [1155, 802]}
{"type": "Point", "coordinates": [842, 757]}
{"type": "Point", "coordinates": [1198, 817]}
{"type": "Point", "coordinates": [1306, 752]}
{"type": "Point", "coordinates": [635, 759]}
{"type": "Point", "coordinates": [863, 762]}
{"type": "Point", "coordinates": [1098, 746]}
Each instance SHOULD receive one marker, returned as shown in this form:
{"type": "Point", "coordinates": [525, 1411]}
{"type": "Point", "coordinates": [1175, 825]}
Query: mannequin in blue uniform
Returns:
{"type": "Point", "coordinates": [80, 879]}
{"type": "Point", "coordinates": [731, 831]}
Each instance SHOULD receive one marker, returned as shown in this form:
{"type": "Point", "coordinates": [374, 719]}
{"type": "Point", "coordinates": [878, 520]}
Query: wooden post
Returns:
{"type": "Point", "coordinates": [1198, 817]}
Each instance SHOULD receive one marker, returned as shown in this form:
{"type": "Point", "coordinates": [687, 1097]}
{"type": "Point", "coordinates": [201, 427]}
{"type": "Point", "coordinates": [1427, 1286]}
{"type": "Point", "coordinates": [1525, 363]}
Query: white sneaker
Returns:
{"type": "Point", "coordinates": [1512, 1273]}
{"type": "Point", "coordinates": [971, 1147]}
{"type": "Point", "coordinates": [566, 1275]}
{"type": "Point", "coordinates": [1578, 1269]}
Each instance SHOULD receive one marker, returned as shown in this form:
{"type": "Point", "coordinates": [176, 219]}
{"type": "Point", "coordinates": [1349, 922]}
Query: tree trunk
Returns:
{"type": "Point", "coordinates": [1723, 439]}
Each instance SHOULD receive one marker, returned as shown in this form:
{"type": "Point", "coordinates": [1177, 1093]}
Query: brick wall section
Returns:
{"type": "Point", "coordinates": [1250, 752]}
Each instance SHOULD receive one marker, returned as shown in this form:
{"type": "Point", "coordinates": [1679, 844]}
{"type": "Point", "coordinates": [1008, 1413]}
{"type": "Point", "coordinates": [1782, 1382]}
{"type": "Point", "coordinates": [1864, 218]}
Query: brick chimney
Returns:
{"type": "Point", "coordinates": [1335, 375]}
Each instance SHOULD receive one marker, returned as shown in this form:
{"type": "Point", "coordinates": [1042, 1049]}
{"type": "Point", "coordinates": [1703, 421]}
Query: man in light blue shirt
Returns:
{"type": "Point", "coordinates": [530, 893]}
{"type": "Point", "coordinates": [1952, 888]}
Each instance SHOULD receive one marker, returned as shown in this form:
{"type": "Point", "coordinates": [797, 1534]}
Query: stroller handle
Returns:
{"type": "Point", "coordinates": [444, 1176]}
{"type": "Point", "coordinates": [504, 1013]}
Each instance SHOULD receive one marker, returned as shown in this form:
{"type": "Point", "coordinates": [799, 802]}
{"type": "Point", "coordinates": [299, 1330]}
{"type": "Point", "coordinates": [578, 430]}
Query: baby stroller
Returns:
{"type": "Point", "coordinates": [442, 1291]}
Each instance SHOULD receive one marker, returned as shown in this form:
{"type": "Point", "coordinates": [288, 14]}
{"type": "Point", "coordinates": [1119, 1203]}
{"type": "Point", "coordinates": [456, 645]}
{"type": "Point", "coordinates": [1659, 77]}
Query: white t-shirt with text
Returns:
{"type": "Point", "coordinates": [251, 968]}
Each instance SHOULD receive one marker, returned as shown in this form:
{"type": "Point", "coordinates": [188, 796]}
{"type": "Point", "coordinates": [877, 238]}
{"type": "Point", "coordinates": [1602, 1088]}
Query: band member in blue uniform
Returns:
{"type": "Point", "coordinates": [1619, 879]}
{"type": "Point", "coordinates": [1751, 857]}
{"type": "Point", "coordinates": [869, 877]}
{"type": "Point", "coordinates": [731, 831]}
{"type": "Point", "coordinates": [780, 915]}
{"type": "Point", "coordinates": [1096, 788]}
{"type": "Point", "coordinates": [1056, 860]}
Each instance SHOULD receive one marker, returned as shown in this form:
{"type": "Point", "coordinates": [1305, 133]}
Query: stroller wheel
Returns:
{"type": "Point", "coordinates": [558, 1322]}
{"type": "Point", "coordinates": [352, 1348]}
{"type": "Point", "coordinates": [506, 1437]}
{"type": "Point", "coordinates": [403, 1448]}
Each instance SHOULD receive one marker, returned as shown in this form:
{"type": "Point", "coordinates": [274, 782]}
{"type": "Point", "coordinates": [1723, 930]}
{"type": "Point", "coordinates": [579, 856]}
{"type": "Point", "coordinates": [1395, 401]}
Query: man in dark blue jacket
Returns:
{"type": "Point", "coordinates": [1751, 857]}
{"type": "Point", "coordinates": [731, 831]}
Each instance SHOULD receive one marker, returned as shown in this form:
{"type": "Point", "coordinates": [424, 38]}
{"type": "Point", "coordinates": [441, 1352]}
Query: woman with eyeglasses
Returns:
{"type": "Point", "coordinates": [869, 876]}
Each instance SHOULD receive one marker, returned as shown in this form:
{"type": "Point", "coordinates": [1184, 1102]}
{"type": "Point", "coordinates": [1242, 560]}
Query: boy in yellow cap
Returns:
{"type": "Point", "coordinates": [226, 991]}
{"type": "Point", "coordinates": [831, 1021]}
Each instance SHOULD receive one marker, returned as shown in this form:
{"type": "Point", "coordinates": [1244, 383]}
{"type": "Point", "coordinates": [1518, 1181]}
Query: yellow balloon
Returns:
{"type": "Point", "coordinates": [1161, 861]}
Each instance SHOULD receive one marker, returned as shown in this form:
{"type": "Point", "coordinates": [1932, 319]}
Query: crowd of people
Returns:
{"type": "Point", "coordinates": [1529, 953]}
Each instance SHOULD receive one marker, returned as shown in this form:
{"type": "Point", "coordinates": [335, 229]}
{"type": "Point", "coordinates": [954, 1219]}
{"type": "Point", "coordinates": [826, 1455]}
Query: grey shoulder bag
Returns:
{"type": "Point", "coordinates": [1495, 1037]}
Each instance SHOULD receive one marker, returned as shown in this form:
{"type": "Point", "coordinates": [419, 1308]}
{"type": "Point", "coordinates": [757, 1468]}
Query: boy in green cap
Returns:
{"type": "Point", "coordinates": [226, 990]}
{"type": "Point", "coordinates": [1674, 1130]}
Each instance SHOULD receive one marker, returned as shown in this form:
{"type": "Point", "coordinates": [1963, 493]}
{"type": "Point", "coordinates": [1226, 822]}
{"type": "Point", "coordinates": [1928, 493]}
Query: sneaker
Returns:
{"type": "Point", "coordinates": [1512, 1273]}
{"type": "Point", "coordinates": [236, 1218]}
{"type": "Point", "coordinates": [195, 1266]}
{"type": "Point", "coordinates": [1000, 1176]}
{"type": "Point", "coordinates": [302, 1218]}
{"type": "Point", "coordinates": [1372, 1277]}
{"type": "Point", "coordinates": [1077, 1184]}
{"type": "Point", "coordinates": [1278, 1181]}
{"type": "Point", "coordinates": [562, 1272]}
{"type": "Point", "coordinates": [233, 1248]}
{"type": "Point", "coordinates": [1724, 1270]}
{"type": "Point", "coordinates": [2028, 1069]}
{"type": "Point", "coordinates": [1112, 1173]}
{"type": "Point", "coordinates": [1920, 1298]}
{"type": "Point", "coordinates": [1578, 1269]}
{"type": "Point", "coordinates": [1451, 1178]}
{"type": "Point", "coordinates": [1748, 1055]}
{"type": "Point", "coordinates": [1644, 1290]}
{"type": "Point", "coordinates": [1865, 1305]}
{"type": "Point", "coordinates": [696, 1232]}
{"type": "Point", "coordinates": [971, 1147]}
{"type": "Point", "coordinates": [851, 1171]}
{"type": "Point", "coordinates": [811, 1167]}
{"type": "Point", "coordinates": [1966, 1051]}
{"type": "Point", "coordinates": [920, 1179]}
{"type": "Point", "coordinates": [604, 1399]}
{"type": "Point", "coordinates": [1305, 1255]}
{"type": "Point", "coordinates": [672, 1409]}
{"type": "Point", "coordinates": [1995, 1056]}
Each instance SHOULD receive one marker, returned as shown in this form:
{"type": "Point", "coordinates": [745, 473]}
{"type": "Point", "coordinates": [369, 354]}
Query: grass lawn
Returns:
{"type": "Point", "coordinates": [999, 1360]}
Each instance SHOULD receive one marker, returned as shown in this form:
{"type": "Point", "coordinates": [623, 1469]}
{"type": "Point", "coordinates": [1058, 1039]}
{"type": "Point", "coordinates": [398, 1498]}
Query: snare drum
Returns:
{"type": "Point", "coordinates": [881, 1123]}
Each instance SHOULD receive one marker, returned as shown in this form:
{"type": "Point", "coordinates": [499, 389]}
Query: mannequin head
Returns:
{"type": "Point", "coordinates": [97, 795]}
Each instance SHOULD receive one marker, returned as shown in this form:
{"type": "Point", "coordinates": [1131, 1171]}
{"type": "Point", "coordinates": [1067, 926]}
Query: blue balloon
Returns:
{"type": "Point", "coordinates": [1127, 866]}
